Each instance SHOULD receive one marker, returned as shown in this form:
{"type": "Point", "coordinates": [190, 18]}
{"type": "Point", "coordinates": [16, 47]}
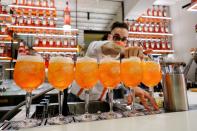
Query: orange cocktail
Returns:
{"type": "Point", "coordinates": [151, 73]}
{"type": "Point", "coordinates": [29, 72]}
{"type": "Point", "coordinates": [86, 74]}
{"type": "Point", "coordinates": [60, 72]}
{"type": "Point", "coordinates": [131, 72]}
{"type": "Point", "coordinates": [109, 73]}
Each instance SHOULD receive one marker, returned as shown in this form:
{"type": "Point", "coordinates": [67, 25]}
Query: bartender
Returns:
{"type": "Point", "coordinates": [115, 47]}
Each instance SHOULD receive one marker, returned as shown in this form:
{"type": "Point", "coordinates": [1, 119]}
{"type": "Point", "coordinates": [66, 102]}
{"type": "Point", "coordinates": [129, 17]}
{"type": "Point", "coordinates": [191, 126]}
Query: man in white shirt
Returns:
{"type": "Point", "coordinates": [115, 47]}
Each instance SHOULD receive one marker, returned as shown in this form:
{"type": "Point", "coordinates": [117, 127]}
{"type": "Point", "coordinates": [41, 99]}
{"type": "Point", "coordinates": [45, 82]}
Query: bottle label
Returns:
{"type": "Point", "coordinates": [166, 29]}
{"type": "Point", "coordinates": [13, 20]}
{"type": "Point", "coordinates": [140, 28]}
{"type": "Point", "coordinates": [158, 45]}
{"type": "Point", "coordinates": [134, 28]}
{"type": "Point", "coordinates": [44, 22]}
{"type": "Point", "coordinates": [29, 21]}
{"type": "Point", "coordinates": [149, 12]}
{"type": "Point", "coordinates": [147, 45]}
{"type": "Point", "coordinates": [1, 50]}
{"type": "Point", "coordinates": [3, 29]}
{"type": "Point", "coordinates": [51, 42]}
{"type": "Point", "coordinates": [169, 46]}
{"type": "Point", "coordinates": [21, 20]}
{"type": "Point", "coordinates": [51, 22]}
{"type": "Point", "coordinates": [156, 29]}
{"type": "Point", "coordinates": [58, 43]}
{"type": "Point", "coordinates": [44, 3]}
{"type": "Point", "coordinates": [37, 3]}
{"type": "Point", "coordinates": [37, 21]}
{"type": "Point", "coordinates": [164, 13]}
{"type": "Point", "coordinates": [65, 42]}
{"type": "Point", "coordinates": [36, 42]}
{"type": "Point", "coordinates": [152, 45]}
{"type": "Point", "coordinates": [163, 45]}
{"type": "Point", "coordinates": [162, 29]}
{"type": "Point", "coordinates": [155, 13]}
{"type": "Point", "coordinates": [72, 43]}
{"type": "Point", "coordinates": [44, 42]}
{"type": "Point", "coordinates": [29, 2]}
{"type": "Point", "coordinates": [160, 13]}
{"type": "Point", "coordinates": [145, 28]}
{"type": "Point", "coordinates": [151, 29]}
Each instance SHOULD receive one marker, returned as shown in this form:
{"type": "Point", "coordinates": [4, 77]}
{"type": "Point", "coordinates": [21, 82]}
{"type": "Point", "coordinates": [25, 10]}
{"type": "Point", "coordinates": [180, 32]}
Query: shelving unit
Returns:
{"type": "Point", "coordinates": [152, 31]}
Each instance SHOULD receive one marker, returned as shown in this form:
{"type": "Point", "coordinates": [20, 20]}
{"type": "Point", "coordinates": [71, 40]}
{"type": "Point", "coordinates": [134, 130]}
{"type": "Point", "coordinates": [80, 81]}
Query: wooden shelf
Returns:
{"type": "Point", "coordinates": [46, 35]}
{"type": "Point", "coordinates": [163, 51]}
{"type": "Point", "coordinates": [157, 17]}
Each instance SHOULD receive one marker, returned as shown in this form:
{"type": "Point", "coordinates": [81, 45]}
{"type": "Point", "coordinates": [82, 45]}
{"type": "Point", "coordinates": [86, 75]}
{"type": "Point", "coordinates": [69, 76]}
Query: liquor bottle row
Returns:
{"type": "Point", "coordinates": [39, 3]}
{"type": "Point", "coordinates": [4, 29]}
{"type": "Point", "coordinates": [149, 27]}
{"type": "Point", "coordinates": [58, 42]}
{"type": "Point", "coordinates": [5, 50]}
{"type": "Point", "coordinates": [33, 21]}
{"type": "Point", "coordinates": [3, 9]}
{"type": "Point", "coordinates": [158, 10]}
{"type": "Point", "coordinates": [163, 44]}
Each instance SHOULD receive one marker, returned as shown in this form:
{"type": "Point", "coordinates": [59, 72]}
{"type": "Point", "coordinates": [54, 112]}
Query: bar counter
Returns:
{"type": "Point", "coordinates": [179, 121]}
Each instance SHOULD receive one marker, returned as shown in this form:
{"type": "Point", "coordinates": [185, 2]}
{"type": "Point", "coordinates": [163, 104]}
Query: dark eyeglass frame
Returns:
{"type": "Point", "coordinates": [116, 37]}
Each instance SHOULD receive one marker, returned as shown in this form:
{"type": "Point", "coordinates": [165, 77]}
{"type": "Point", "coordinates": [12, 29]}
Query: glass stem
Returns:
{"type": "Point", "coordinates": [60, 100]}
{"type": "Point", "coordinates": [28, 104]}
{"type": "Point", "coordinates": [151, 91]}
{"type": "Point", "coordinates": [86, 101]}
{"type": "Point", "coordinates": [132, 94]}
{"type": "Point", "coordinates": [110, 94]}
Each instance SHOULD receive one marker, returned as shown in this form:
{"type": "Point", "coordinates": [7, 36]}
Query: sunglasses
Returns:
{"type": "Point", "coordinates": [116, 37]}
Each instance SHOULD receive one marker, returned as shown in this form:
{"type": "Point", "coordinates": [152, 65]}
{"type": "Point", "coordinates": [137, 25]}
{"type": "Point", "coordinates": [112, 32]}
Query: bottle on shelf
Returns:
{"type": "Point", "coordinates": [152, 44]}
{"type": "Point", "coordinates": [73, 43]}
{"type": "Point", "coordinates": [2, 49]}
{"type": "Point", "coordinates": [159, 12]}
{"type": "Point", "coordinates": [133, 26]}
{"type": "Point", "coordinates": [58, 43]}
{"type": "Point", "coordinates": [163, 44]}
{"type": "Point", "coordinates": [4, 29]}
{"type": "Point", "coordinates": [44, 3]}
{"type": "Point", "coordinates": [37, 19]}
{"type": "Point", "coordinates": [51, 43]}
{"type": "Point", "coordinates": [21, 21]}
{"type": "Point", "coordinates": [149, 13]}
{"type": "Point", "coordinates": [169, 46]}
{"type": "Point", "coordinates": [44, 42]}
{"type": "Point", "coordinates": [154, 11]}
{"type": "Point", "coordinates": [4, 9]}
{"type": "Point", "coordinates": [67, 19]}
{"type": "Point", "coordinates": [37, 3]}
{"type": "Point", "coordinates": [147, 44]}
{"type": "Point", "coordinates": [29, 3]}
{"type": "Point", "coordinates": [164, 11]}
{"type": "Point", "coordinates": [145, 27]}
{"type": "Point", "coordinates": [21, 49]}
{"type": "Point", "coordinates": [51, 4]}
{"type": "Point", "coordinates": [139, 27]}
{"type": "Point", "coordinates": [36, 42]}
{"type": "Point", "coordinates": [0, 7]}
{"type": "Point", "coordinates": [14, 17]}
{"type": "Point", "coordinates": [166, 27]}
{"type": "Point", "coordinates": [44, 21]}
{"type": "Point", "coordinates": [65, 45]}
{"type": "Point", "coordinates": [150, 28]}
{"type": "Point", "coordinates": [29, 20]}
{"type": "Point", "coordinates": [21, 2]}
{"type": "Point", "coordinates": [51, 21]}
{"type": "Point", "coordinates": [162, 29]}
{"type": "Point", "coordinates": [156, 27]}
{"type": "Point", "coordinates": [15, 2]}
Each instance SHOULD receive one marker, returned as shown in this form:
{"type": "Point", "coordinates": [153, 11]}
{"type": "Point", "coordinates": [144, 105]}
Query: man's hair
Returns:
{"type": "Point", "coordinates": [119, 25]}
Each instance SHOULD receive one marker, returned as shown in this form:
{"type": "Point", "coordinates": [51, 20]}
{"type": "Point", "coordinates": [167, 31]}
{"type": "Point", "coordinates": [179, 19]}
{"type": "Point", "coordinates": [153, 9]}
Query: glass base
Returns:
{"type": "Point", "coordinates": [132, 114]}
{"type": "Point", "coordinates": [59, 120]}
{"type": "Point", "coordinates": [110, 115]}
{"type": "Point", "coordinates": [27, 123]}
{"type": "Point", "coordinates": [87, 117]}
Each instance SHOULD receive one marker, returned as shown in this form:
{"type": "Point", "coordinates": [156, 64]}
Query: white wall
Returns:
{"type": "Point", "coordinates": [183, 28]}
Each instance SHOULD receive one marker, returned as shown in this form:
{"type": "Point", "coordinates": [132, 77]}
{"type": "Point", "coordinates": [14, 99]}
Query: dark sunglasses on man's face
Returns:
{"type": "Point", "coordinates": [116, 37]}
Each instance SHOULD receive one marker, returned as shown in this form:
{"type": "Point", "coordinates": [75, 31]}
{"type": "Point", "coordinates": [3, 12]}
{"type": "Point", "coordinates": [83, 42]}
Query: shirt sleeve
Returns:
{"type": "Point", "coordinates": [94, 49]}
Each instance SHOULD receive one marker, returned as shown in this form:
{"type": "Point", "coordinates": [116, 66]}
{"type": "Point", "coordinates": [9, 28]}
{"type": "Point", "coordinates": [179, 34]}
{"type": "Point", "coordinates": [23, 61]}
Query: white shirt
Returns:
{"type": "Point", "coordinates": [94, 51]}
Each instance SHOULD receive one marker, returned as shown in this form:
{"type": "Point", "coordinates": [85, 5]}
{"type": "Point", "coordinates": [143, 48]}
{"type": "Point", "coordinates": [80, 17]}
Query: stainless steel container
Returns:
{"type": "Point", "coordinates": [175, 94]}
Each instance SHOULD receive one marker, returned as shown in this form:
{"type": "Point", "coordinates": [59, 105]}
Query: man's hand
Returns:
{"type": "Point", "coordinates": [133, 51]}
{"type": "Point", "coordinates": [144, 96]}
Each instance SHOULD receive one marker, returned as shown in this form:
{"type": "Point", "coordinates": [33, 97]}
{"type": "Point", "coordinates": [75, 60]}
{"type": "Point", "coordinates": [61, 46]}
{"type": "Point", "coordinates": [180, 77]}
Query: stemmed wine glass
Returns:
{"type": "Point", "coordinates": [60, 75]}
{"type": "Point", "coordinates": [151, 75]}
{"type": "Point", "coordinates": [131, 76]}
{"type": "Point", "coordinates": [29, 73]}
{"type": "Point", "coordinates": [86, 76]}
{"type": "Point", "coordinates": [109, 76]}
